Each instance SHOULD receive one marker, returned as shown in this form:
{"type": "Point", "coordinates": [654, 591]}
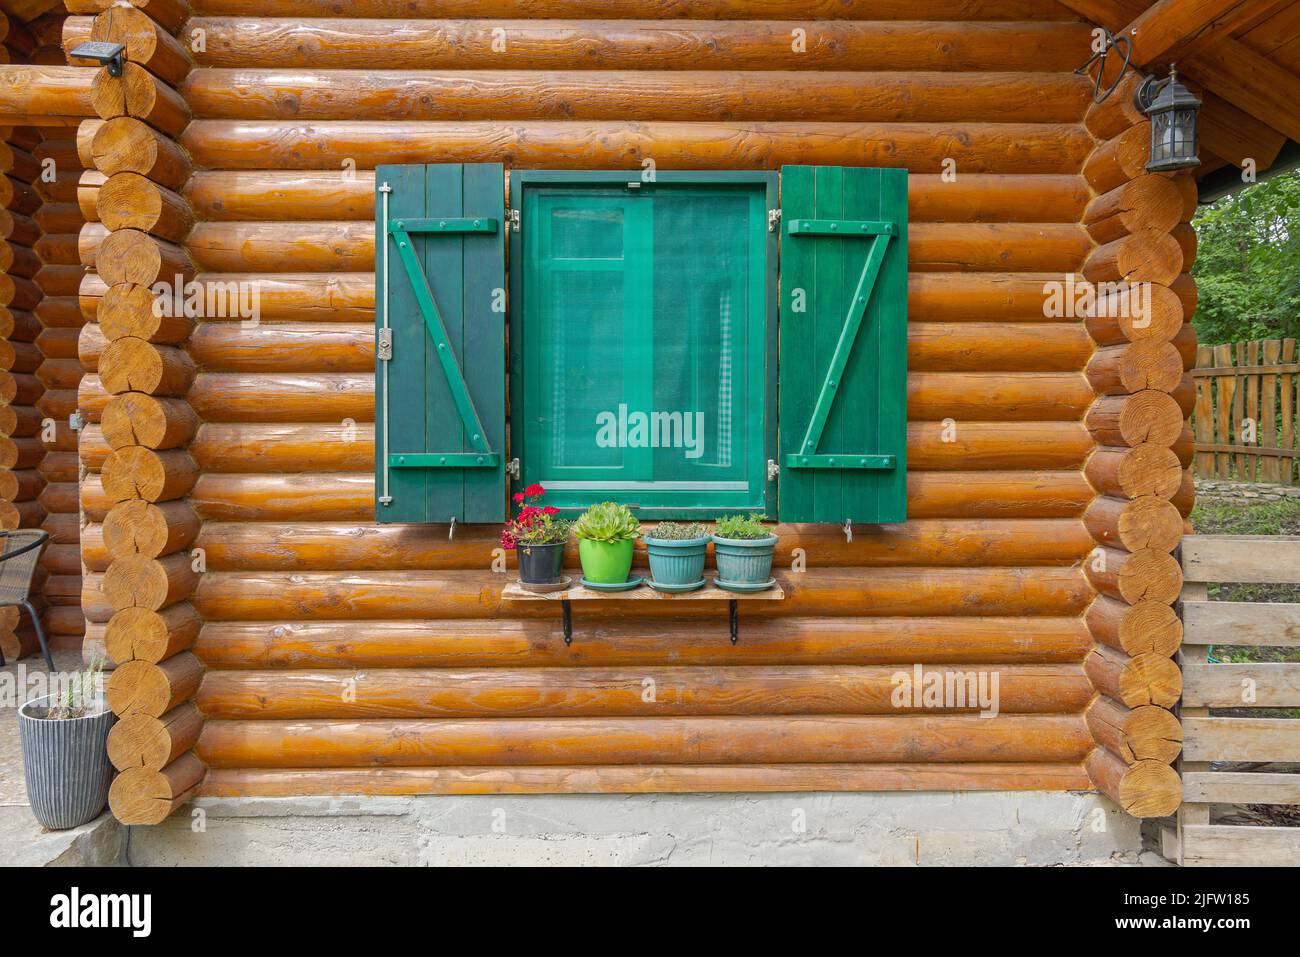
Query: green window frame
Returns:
{"type": "Point", "coordinates": [545, 269]}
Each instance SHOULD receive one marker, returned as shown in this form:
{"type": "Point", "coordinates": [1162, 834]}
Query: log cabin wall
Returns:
{"type": "Point", "coordinates": [344, 657]}
{"type": "Point", "coordinates": [41, 321]}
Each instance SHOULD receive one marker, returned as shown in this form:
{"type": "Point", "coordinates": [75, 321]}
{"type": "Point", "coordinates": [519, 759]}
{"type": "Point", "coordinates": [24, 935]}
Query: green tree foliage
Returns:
{"type": "Point", "coordinates": [1248, 263]}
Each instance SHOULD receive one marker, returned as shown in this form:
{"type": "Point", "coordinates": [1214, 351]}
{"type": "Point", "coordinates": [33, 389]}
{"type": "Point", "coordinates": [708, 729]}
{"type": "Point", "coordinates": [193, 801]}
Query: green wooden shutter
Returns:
{"type": "Point", "coordinates": [843, 344]}
{"type": "Point", "coordinates": [440, 385]}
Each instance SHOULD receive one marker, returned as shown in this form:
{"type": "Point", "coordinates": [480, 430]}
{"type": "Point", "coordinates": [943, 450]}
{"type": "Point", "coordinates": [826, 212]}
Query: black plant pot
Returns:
{"type": "Point", "coordinates": [540, 564]}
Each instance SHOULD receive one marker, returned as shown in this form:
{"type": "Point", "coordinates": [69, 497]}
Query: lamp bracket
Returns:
{"type": "Point", "coordinates": [107, 54]}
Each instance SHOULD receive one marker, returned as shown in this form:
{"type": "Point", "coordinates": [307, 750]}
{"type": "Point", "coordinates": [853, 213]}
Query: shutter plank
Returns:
{"type": "Point", "coordinates": [868, 416]}
{"type": "Point", "coordinates": [464, 271]}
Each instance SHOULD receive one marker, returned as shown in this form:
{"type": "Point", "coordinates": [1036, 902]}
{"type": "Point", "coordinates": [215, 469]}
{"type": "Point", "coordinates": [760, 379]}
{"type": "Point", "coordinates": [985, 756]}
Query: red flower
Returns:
{"type": "Point", "coordinates": [550, 510]}
{"type": "Point", "coordinates": [534, 489]}
{"type": "Point", "coordinates": [519, 496]}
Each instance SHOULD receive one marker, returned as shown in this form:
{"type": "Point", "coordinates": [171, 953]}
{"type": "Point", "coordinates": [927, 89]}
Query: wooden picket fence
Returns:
{"type": "Point", "coordinates": [1245, 416]}
{"type": "Point", "coordinates": [1240, 758]}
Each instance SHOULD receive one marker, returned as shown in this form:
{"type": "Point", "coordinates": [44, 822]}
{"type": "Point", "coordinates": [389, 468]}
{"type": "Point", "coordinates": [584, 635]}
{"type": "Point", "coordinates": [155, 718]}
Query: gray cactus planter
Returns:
{"type": "Point", "coordinates": [66, 764]}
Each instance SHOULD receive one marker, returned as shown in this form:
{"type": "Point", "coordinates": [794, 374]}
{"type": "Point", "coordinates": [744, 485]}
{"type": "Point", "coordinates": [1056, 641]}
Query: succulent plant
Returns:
{"type": "Point", "coordinates": [677, 531]}
{"type": "Point", "coordinates": [742, 528]}
{"type": "Point", "coordinates": [607, 522]}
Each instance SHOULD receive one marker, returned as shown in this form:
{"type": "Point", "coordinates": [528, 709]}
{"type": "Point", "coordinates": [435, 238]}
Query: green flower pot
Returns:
{"type": "Point", "coordinates": [605, 563]}
{"type": "Point", "coordinates": [744, 560]}
{"type": "Point", "coordinates": [677, 561]}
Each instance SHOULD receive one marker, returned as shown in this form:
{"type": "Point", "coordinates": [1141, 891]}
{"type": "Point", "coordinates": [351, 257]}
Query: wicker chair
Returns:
{"type": "Point", "coordinates": [18, 562]}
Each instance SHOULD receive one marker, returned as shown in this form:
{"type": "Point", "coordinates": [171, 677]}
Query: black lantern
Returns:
{"type": "Point", "coordinates": [1172, 109]}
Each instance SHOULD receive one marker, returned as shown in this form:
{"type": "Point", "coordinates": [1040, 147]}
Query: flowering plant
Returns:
{"type": "Point", "coordinates": [535, 524]}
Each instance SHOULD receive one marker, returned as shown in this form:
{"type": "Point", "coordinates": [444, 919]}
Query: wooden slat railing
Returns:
{"type": "Point", "coordinates": [1209, 739]}
{"type": "Point", "coordinates": [1246, 406]}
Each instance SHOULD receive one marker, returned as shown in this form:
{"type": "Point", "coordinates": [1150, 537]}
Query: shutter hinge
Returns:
{"type": "Point", "coordinates": [772, 470]}
{"type": "Point", "coordinates": [385, 347]}
{"type": "Point", "coordinates": [512, 469]}
{"type": "Point", "coordinates": [76, 421]}
{"type": "Point", "coordinates": [514, 220]}
{"type": "Point", "coordinates": [773, 219]}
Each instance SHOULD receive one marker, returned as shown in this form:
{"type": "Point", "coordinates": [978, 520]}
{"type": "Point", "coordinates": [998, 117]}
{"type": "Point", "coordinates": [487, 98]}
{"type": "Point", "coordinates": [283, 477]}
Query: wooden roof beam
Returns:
{"type": "Point", "coordinates": [1175, 29]}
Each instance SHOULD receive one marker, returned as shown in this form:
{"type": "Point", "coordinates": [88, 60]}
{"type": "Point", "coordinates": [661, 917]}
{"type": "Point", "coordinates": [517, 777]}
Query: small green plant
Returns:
{"type": "Point", "coordinates": [607, 522]}
{"type": "Point", "coordinates": [677, 531]}
{"type": "Point", "coordinates": [742, 528]}
{"type": "Point", "coordinates": [81, 695]}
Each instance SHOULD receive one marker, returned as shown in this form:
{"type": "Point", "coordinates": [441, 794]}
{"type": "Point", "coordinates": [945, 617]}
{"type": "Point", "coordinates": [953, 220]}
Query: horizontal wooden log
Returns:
{"type": "Point", "coordinates": [1120, 159]}
{"type": "Point", "coordinates": [134, 365]}
{"type": "Point", "coordinates": [297, 195]}
{"type": "Point", "coordinates": [1136, 259]}
{"type": "Point", "coordinates": [31, 92]}
{"type": "Point", "coordinates": [149, 530]}
{"type": "Point", "coordinates": [1145, 789]}
{"type": "Point", "coordinates": [639, 642]}
{"type": "Point", "coordinates": [982, 776]}
{"type": "Point", "coordinates": [504, 94]}
{"type": "Point", "coordinates": [1145, 206]}
{"type": "Point", "coordinates": [147, 42]}
{"type": "Point", "coordinates": [1136, 681]}
{"type": "Point", "coordinates": [142, 795]}
{"type": "Point", "coordinates": [127, 145]}
{"type": "Point", "coordinates": [604, 693]}
{"type": "Point", "coordinates": [397, 594]}
{"type": "Point", "coordinates": [150, 421]}
{"type": "Point", "coordinates": [1132, 367]}
{"type": "Point", "coordinates": [1145, 575]}
{"type": "Point", "coordinates": [977, 148]}
{"type": "Point", "coordinates": [139, 634]}
{"type": "Point", "coordinates": [1126, 421]}
{"type": "Point", "coordinates": [131, 201]}
{"type": "Point", "coordinates": [145, 741]}
{"type": "Point", "coordinates": [141, 95]}
{"type": "Point", "coordinates": [229, 397]}
{"type": "Point", "coordinates": [725, 42]}
{"type": "Point", "coordinates": [130, 310]}
{"type": "Point", "coordinates": [1141, 523]}
{"type": "Point", "coordinates": [1146, 733]}
{"type": "Point", "coordinates": [141, 687]}
{"type": "Point", "coordinates": [131, 256]}
{"type": "Point", "coordinates": [153, 583]}
{"type": "Point", "coordinates": [349, 246]}
{"type": "Point", "coordinates": [339, 546]}
{"type": "Point", "coordinates": [135, 472]}
{"type": "Point", "coordinates": [1146, 469]}
{"type": "Point", "coordinates": [778, 740]}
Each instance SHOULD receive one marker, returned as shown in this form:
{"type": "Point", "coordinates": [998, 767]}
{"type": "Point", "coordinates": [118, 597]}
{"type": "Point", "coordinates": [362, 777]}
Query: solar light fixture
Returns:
{"type": "Point", "coordinates": [107, 54]}
{"type": "Point", "coordinates": [1172, 109]}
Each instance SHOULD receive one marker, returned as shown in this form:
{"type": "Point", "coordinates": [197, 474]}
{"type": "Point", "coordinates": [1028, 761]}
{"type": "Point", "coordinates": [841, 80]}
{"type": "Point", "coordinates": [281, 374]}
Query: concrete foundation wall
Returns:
{"type": "Point", "coordinates": [896, 828]}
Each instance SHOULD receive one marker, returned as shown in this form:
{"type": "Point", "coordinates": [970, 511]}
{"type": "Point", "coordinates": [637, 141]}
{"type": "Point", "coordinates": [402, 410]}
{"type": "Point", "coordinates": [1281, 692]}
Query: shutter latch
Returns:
{"type": "Point", "coordinates": [773, 470]}
{"type": "Point", "coordinates": [773, 219]}
{"type": "Point", "coordinates": [512, 469]}
{"type": "Point", "coordinates": [385, 347]}
{"type": "Point", "coordinates": [76, 421]}
{"type": "Point", "coordinates": [514, 220]}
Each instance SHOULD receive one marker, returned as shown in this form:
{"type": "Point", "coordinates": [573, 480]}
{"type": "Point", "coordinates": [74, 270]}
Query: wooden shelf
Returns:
{"type": "Point", "coordinates": [710, 592]}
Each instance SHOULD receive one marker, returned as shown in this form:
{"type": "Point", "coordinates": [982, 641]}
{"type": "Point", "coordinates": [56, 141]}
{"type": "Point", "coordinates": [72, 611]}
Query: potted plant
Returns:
{"type": "Point", "coordinates": [743, 548]}
{"type": "Point", "coordinates": [677, 555]}
{"type": "Point", "coordinates": [537, 537]}
{"type": "Point", "coordinates": [605, 534]}
{"type": "Point", "coordinates": [65, 751]}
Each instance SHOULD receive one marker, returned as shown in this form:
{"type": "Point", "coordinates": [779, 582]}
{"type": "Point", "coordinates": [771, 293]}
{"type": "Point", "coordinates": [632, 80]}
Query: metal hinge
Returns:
{"type": "Point", "coordinates": [385, 347]}
{"type": "Point", "coordinates": [514, 220]}
{"type": "Point", "coordinates": [76, 421]}
{"type": "Point", "coordinates": [772, 470]}
{"type": "Point", "coordinates": [512, 469]}
{"type": "Point", "coordinates": [773, 219]}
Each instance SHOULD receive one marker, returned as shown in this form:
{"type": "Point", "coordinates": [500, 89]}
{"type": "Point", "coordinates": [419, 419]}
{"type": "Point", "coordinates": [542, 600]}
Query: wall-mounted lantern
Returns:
{"type": "Point", "coordinates": [1172, 109]}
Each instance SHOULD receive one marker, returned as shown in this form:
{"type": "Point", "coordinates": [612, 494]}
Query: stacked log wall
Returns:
{"type": "Point", "coordinates": [1141, 467]}
{"type": "Point", "coordinates": [140, 421]}
{"type": "Point", "coordinates": [342, 656]}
